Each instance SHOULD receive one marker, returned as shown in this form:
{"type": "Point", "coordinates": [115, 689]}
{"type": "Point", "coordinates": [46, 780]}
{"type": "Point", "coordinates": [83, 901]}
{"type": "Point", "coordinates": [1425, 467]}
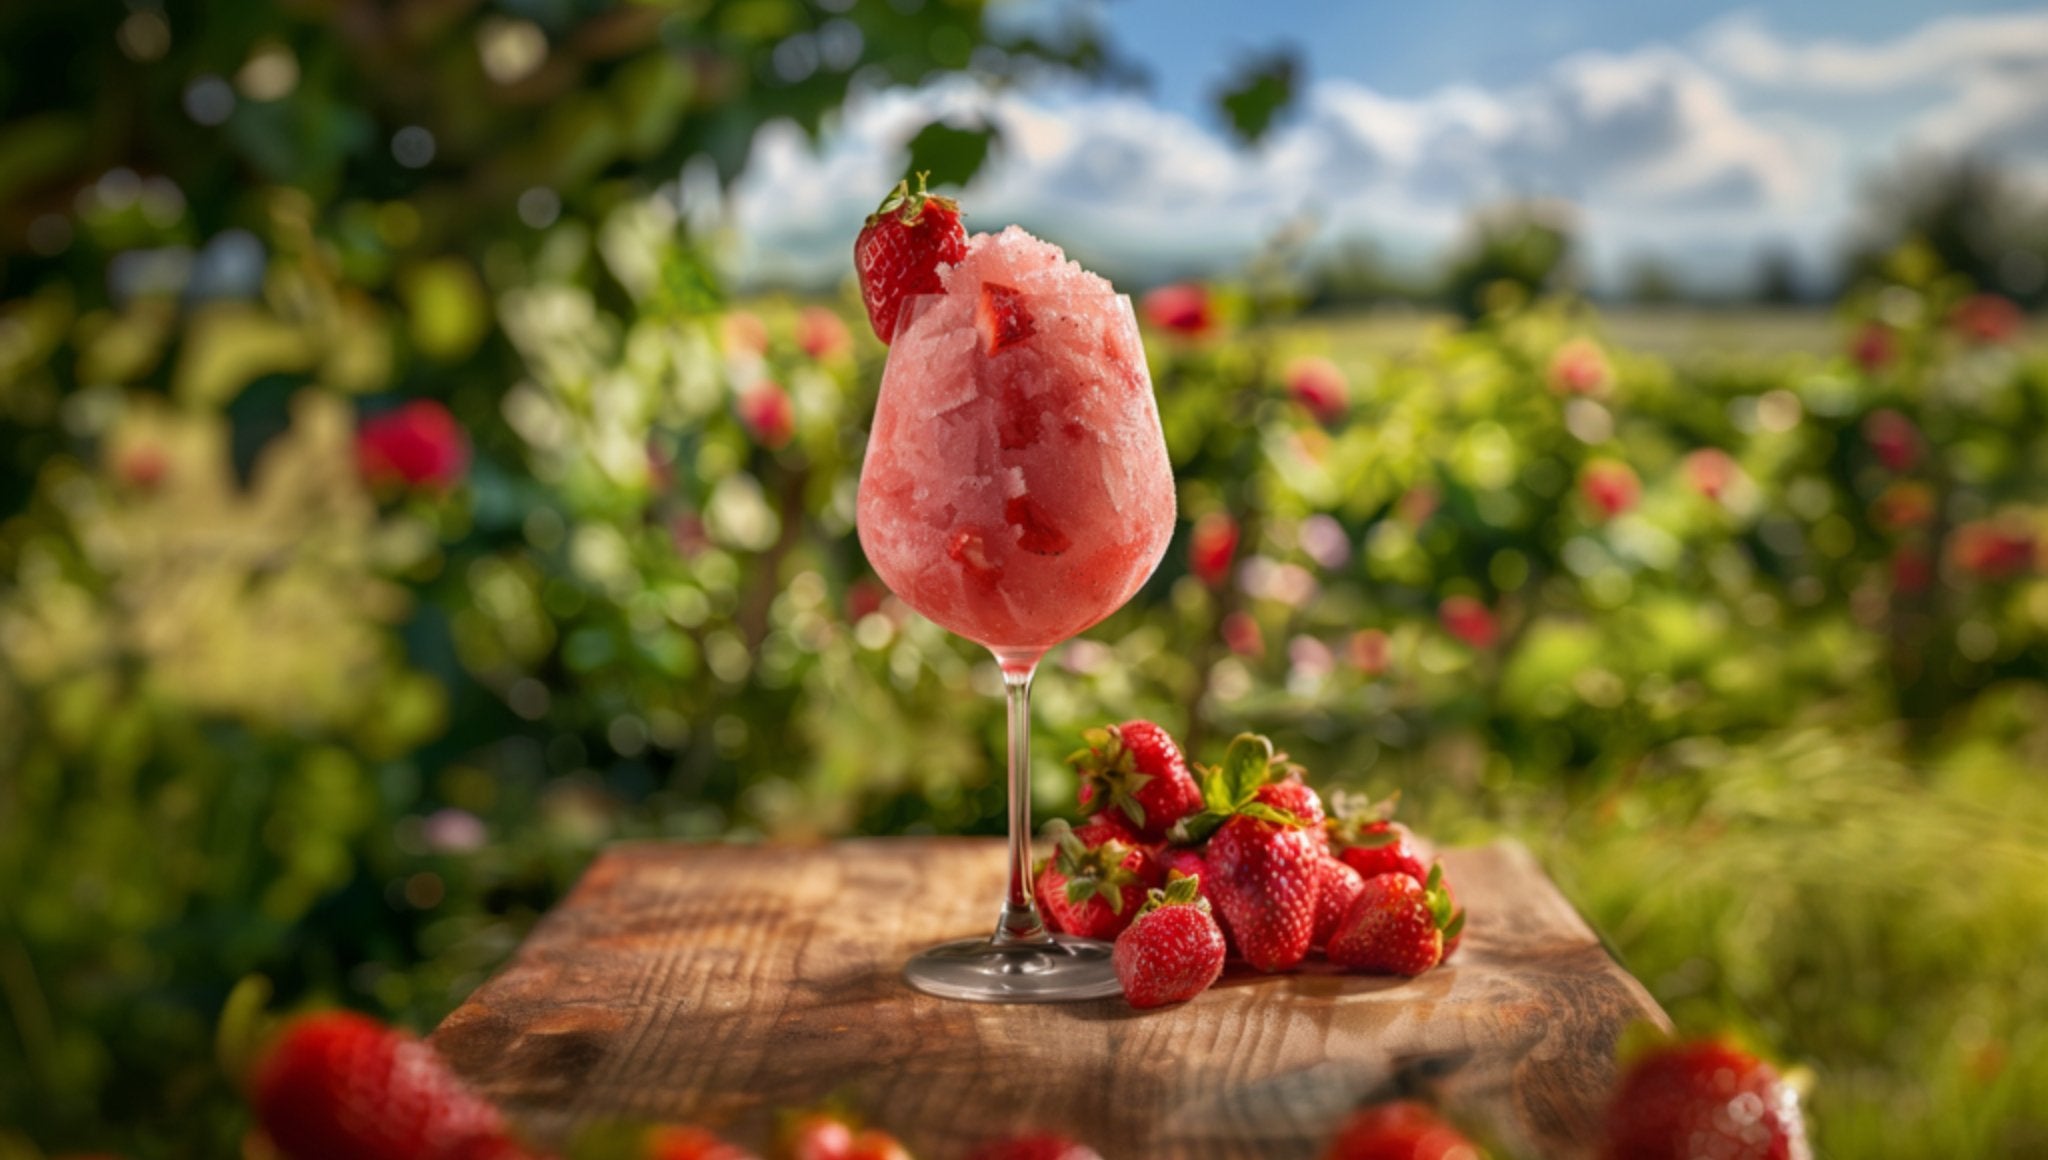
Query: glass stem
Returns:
{"type": "Point", "coordinates": [1020, 922]}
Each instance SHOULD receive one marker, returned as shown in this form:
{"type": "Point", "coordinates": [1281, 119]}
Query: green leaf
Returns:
{"type": "Point", "coordinates": [1247, 765]}
{"type": "Point", "coordinates": [1455, 927]}
{"type": "Point", "coordinates": [1273, 814]}
{"type": "Point", "coordinates": [1262, 89]}
{"type": "Point", "coordinates": [1195, 829]}
{"type": "Point", "coordinates": [951, 155]}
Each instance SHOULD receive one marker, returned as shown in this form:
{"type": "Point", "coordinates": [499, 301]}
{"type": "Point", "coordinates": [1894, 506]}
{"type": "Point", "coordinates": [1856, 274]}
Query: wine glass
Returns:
{"type": "Point", "coordinates": [1016, 491]}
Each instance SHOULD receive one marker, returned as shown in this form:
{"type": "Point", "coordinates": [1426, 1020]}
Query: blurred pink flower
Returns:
{"type": "Point", "coordinates": [1987, 319]}
{"type": "Point", "coordinates": [766, 410]}
{"type": "Point", "coordinates": [1309, 657]}
{"type": "Point", "coordinates": [1470, 621]}
{"type": "Point", "coordinates": [1183, 308]}
{"type": "Point", "coordinates": [1242, 635]}
{"type": "Point", "coordinates": [1711, 472]}
{"type": "Point", "coordinates": [1319, 386]}
{"type": "Point", "coordinates": [1323, 538]}
{"type": "Point", "coordinates": [1370, 650]}
{"type": "Point", "coordinates": [454, 831]}
{"type": "Point", "coordinates": [1212, 546]}
{"type": "Point", "coordinates": [418, 445]}
{"type": "Point", "coordinates": [1894, 438]}
{"type": "Point", "coordinates": [1610, 486]}
{"type": "Point", "coordinates": [822, 333]}
{"type": "Point", "coordinates": [1580, 367]}
{"type": "Point", "coordinates": [1874, 348]}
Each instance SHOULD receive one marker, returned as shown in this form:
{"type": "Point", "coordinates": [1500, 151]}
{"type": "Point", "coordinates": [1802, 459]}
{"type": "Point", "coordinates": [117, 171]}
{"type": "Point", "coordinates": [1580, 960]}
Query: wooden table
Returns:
{"type": "Point", "coordinates": [714, 983]}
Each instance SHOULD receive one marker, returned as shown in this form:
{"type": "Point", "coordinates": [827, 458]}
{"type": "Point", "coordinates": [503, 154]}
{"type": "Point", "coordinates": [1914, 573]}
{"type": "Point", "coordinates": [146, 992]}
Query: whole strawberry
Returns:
{"type": "Point", "coordinates": [1189, 863]}
{"type": "Point", "coordinates": [1037, 1146]}
{"type": "Point", "coordinates": [900, 250]}
{"type": "Point", "coordinates": [341, 1086]}
{"type": "Point", "coordinates": [1135, 769]}
{"type": "Point", "coordinates": [1340, 888]}
{"type": "Point", "coordinates": [1263, 863]}
{"type": "Point", "coordinates": [1173, 951]}
{"type": "Point", "coordinates": [1364, 834]}
{"type": "Point", "coordinates": [1095, 882]}
{"type": "Point", "coordinates": [1704, 1098]}
{"type": "Point", "coordinates": [1396, 926]}
{"type": "Point", "coordinates": [1402, 1130]}
{"type": "Point", "coordinates": [1293, 795]}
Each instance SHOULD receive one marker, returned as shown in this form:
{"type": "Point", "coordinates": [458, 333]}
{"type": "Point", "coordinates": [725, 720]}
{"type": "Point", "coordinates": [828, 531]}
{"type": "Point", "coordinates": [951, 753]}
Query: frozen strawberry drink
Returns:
{"type": "Point", "coordinates": [1016, 488]}
{"type": "Point", "coordinates": [1016, 491]}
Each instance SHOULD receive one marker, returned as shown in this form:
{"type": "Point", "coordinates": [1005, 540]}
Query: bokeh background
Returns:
{"type": "Point", "coordinates": [428, 435]}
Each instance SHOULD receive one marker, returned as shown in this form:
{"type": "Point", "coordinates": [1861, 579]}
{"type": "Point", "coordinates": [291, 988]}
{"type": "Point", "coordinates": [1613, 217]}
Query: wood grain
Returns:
{"type": "Point", "coordinates": [714, 983]}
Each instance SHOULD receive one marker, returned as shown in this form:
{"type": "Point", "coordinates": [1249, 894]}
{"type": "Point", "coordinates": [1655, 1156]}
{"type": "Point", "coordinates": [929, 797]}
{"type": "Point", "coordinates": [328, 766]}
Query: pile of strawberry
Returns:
{"type": "Point", "coordinates": [1243, 862]}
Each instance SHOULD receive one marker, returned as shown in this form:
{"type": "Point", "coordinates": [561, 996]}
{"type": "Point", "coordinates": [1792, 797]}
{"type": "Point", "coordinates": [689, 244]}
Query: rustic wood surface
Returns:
{"type": "Point", "coordinates": [714, 983]}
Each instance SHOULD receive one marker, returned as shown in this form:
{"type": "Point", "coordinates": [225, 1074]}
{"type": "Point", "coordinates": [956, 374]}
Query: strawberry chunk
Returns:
{"type": "Point", "coordinates": [1001, 317]}
{"type": "Point", "coordinates": [1035, 531]}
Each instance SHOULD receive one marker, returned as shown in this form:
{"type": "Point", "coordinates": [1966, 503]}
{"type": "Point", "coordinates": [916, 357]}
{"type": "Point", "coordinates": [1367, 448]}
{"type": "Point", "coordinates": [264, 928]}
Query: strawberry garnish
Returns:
{"type": "Point", "coordinates": [1135, 769]}
{"type": "Point", "coordinates": [341, 1086]}
{"type": "Point", "coordinates": [689, 1142]}
{"type": "Point", "coordinates": [1173, 951]}
{"type": "Point", "coordinates": [1703, 1098]}
{"type": "Point", "coordinates": [1001, 318]}
{"type": "Point", "coordinates": [1396, 926]}
{"type": "Point", "coordinates": [901, 248]}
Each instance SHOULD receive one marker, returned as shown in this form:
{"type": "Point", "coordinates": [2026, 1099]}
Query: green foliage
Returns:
{"type": "Point", "coordinates": [1262, 89]}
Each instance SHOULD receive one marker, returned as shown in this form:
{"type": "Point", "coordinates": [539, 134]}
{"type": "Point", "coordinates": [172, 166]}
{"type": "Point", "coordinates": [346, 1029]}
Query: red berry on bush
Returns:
{"type": "Point", "coordinates": [767, 412]}
{"type": "Point", "coordinates": [1610, 486]}
{"type": "Point", "coordinates": [1988, 319]}
{"type": "Point", "coordinates": [1319, 387]}
{"type": "Point", "coordinates": [1212, 546]}
{"type": "Point", "coordinates": [418, 445]}
{"type": "Point", "coordinates": [1183, 308]}
{"type": "Point", "coordinates": [1893, 438]}
{"type": "Point", "coordinates": [1874, 348]}
{"type": "Point", "coordinates": [1579, 367]}
{"type": "Point", "coordinates": [1470, 621]}
{"type": "Point", "coordinates": [1711, 472]}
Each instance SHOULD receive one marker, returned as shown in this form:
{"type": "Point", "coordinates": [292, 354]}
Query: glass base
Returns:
{"type": "Point", "coordinates": [975, 969]}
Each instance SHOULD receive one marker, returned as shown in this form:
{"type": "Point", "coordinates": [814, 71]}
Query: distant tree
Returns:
{"type": "Point", "coordinates": [1652, 281]}
{"type": "Point", "coordinates": [1778, 277]}
{"type": "Point", "coordinates": [1969, 211]}
{"type": "Point", "coordinates": [1511, 251]}
{"type": "Point", "coordinates": [1357, 272]}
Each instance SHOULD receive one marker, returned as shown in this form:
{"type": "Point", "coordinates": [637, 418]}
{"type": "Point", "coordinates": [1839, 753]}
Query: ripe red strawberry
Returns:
{"type": "Point", "coordinates": [341, 1086]}
{"type": "Point", "coordinates": [1263, 863]}
{"type": "Point", "coordinates": [1173, 951]}
{"type": "Point", "coordinates": [1266, 875]}
{"type": "Point", "coordinates": [1704, 1098]}
{"type": "Point", "coordinates": [1095, 882]}
{"type": "Point", "coordinates": [1396, 926]}
{"type": "Point", "coordinates": [1364, 834]}
{"type": "Point", "coordinates": [1402, 1130]}
{"type": "Point", "coordinates": [901, 248]}
{"type": "Point", "coordinates": [1294, 796]}
{"type": "Point", "coordinates": [1038, 1146]}
{"type": "Point", "coordinates": [1135, 771]}
{"type": "Point", "coordinates": [1001, 318]}
{"type": "Point", "coordinates": [690, 1143]}
{"type": "Point", "coordinates": [1190, 864]}
{"type": "Point", "coordinates": [1340, 888]}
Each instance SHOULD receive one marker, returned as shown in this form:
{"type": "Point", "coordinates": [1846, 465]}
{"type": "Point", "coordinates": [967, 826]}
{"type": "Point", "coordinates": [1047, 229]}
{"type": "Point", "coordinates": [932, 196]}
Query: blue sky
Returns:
{"type": "Point", "coordinates": [1697, 134]}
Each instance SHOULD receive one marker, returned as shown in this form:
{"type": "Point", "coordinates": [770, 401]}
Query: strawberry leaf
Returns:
{"type": "Point", "coordinates": [1455, 927]}
{"type": "Point", "coordinates": [1194, 829]}
{"type": "Point", "coordinates": [1247, 765]}
{"type": "Point", "coordinates": [1273, 814]}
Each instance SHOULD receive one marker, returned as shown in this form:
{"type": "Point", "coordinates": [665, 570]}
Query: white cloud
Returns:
{"type": "Point", "coordinates": [1937, 52]}
{"type": "Point", "coordinates": [1699, 155]}
{"type": "Point", "coordinates": [1986, 76]}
